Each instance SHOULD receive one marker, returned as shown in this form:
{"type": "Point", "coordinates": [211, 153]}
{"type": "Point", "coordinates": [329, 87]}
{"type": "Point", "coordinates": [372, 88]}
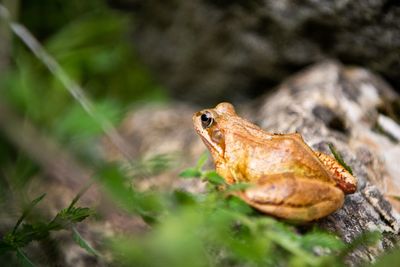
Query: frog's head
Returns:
{"type": "Point", "coordinates": [211, 125]}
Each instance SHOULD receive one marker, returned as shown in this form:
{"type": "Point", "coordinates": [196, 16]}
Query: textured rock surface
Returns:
{"type": "Point", "coordinates": [332, 104]}
{"type": "Point", "coordinates": [327, 103]}
{"type": "Point", "coordinates": [241, 47]}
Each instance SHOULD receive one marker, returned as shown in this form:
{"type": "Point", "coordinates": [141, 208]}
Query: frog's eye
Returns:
{"type": "Point", "coordinates": [206, 119]}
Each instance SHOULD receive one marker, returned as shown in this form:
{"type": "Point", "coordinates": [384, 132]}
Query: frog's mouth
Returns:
{"type": "Point", "coordinates": [212, 146]}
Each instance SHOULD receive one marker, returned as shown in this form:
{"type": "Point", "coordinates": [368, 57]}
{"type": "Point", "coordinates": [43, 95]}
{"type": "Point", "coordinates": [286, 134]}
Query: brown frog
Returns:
{"type": "Point", "coordinates": [288, 179]}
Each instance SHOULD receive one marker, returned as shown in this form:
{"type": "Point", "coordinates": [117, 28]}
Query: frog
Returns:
{"type": "Point", "coordinates": [286, 178]}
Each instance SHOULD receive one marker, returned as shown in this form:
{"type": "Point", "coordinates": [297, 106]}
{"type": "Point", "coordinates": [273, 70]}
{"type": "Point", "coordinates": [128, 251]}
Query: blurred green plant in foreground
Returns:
{"type": "Point", "coordinates": [214, 228]}
{"type": "Point", "coordinates": [93, 50]}
{"type": "Point", "coordinates": [217, 229]}
{"type": "Point", "coordinates": [19, 237]}
{"type": "Point", "coordinates": [89, 40]}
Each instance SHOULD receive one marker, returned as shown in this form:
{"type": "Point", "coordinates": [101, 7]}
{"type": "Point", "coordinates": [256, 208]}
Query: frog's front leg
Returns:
{"type": "Point", "coordinates": [293, 198]}
{"type": "Point", "coordinates": [343, 179]}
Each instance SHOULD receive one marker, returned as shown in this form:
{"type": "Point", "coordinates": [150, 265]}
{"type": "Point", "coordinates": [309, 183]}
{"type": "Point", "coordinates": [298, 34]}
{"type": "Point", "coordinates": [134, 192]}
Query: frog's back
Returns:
{"type": "Point", "coordinates": [285, 154]}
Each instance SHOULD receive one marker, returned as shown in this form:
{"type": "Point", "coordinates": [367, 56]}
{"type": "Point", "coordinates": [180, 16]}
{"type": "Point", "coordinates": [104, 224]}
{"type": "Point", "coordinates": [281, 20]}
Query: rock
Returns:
{"type": "Point", "coordinates": [160, 130]}
{"type": "Point", "coordinates": [206, 50]}
{"type": "Point", "coordinates": [327, 103]}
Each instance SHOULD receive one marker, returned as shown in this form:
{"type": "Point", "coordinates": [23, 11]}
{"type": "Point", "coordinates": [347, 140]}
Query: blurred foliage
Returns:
{"type": "Point", "coordinates": [47, 16]}
{"type": "Point", "coordinates": [210, 229]}
{"type": "Point", "coordinates": [216, 229]}
{"type": "Point", "coordinates": [391, 258]}
{"type": "Point", "coordinates": [19, 237]}
{"type": "Point", "coordinates": [94, 53]}
{"type": "Point", "coordinates": [90, 42]}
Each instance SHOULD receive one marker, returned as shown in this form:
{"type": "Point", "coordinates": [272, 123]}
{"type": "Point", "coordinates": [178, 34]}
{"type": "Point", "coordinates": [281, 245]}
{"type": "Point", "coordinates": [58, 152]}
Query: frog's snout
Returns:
{"type": "Point", "coordinates": [195, 117]}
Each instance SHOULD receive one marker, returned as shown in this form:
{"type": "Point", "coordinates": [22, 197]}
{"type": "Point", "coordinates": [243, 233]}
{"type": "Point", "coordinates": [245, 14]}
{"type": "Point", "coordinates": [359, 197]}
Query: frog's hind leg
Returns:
{"type": "Point", "coordinates": [295, 199]}
{"type": "Point", "coordinates": [344, 180]}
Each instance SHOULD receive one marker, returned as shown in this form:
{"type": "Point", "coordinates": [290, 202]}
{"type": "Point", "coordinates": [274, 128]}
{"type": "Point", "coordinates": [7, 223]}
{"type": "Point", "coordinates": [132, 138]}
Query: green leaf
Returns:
{"type": "Point", "coordinates": [83, 243]}
{"type": "Point", "coordinates": [190, 173]}
{"type": "Point", "coordinates": [391, 258]}
{"type": "Point", "coordinates": [27, 211]}
{"type": "Point", "coordinates": [27, 233]}
{"type": "Point", "coordinates": [159, 163]}
{"type": "Point", "coordinates": [214, 178]}
{"type": "Point", "coordinates": [146, 204]}
{"type": "Point", "coordinates": [290, 242]}
{"type": "Point", "coordinates": [4, 247]}
{"type": "Point", "coordinates": [24, 260]}
{"type": "Point", "coordinates": [149, 205]}
{"type": "Point", "coordinates": [237, 204]}
{"type": "Point", "coordinates": [364, 239]}
{"type": "Point", "coordinates": [79, 195]}
{"type": "Point", "coordinates": [195, 172]}
{"type": "Point", "coordinates": [339, 158]}
{"type": "Point", "coordinates": [77, 122]}
{"type": "Point", "coordinates": [202, 160]}
{"type": "Point", "coordinates": [322, 239]}
{"type": "Point", "coordinates": [68, 216]}
{"type": "Point", "coordinates": [114, 182]}
{"type": "Point", "coordinates": [75, 214]}
{"type": "Point", "coordinates": [184, 198]}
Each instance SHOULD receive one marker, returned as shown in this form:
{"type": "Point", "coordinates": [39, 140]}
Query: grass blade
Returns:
{"type": "Point", "coordinates": [190, 173]}
{"type": "Point", "coordinates": [339, 158]}
{"type": "Point", "coordinates": [25, 261]}
{"type": "Point", "coordinates": [27, 211]}
{"type": "Point", "coordinates": [202, 160]}
{"type": "Point", "coordinates": [79, 195]}
{"type": "Point", "coordinates": [83, 243]}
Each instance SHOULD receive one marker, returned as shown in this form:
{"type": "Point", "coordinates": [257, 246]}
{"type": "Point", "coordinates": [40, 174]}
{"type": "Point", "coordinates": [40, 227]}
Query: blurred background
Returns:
{"type": "Point", "coordinates": [176, 54]}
